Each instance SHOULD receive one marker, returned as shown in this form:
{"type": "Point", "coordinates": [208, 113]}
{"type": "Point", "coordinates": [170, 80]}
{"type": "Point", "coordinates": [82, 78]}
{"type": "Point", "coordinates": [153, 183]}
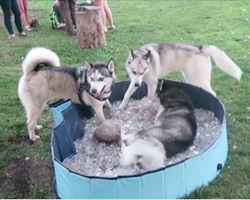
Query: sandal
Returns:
{"type": "Point", "coordinates": [61, 25]}
{"type": "Point", "coordinates": [111, 27]}
{"type": "Point", "coordinates": [13, 36]}
{"type": "Point", "coordinates": [28, 28]}
{"type": "Point", "coordinates": [23, 34]}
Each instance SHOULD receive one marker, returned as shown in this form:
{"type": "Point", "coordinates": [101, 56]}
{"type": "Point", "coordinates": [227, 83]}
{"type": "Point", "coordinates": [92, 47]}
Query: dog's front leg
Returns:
{"type": "Point", "coordinates": [152, 85]}
{"type": "Point", "coordinates": [98, 108]}
{"type": "Point", "coordinates": [108, 104]}
{"type": "Point", "coordinates": [129, 92]}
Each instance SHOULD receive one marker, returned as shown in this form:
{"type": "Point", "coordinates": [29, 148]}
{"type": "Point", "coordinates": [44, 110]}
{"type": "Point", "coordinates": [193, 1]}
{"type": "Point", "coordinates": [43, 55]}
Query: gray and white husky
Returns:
{"type": "Point", "coordinates": [150, 62]}
{"type": "Point", "coordinates": [174, 131]}
{"type": "Point", "coordinates": [44, 79]}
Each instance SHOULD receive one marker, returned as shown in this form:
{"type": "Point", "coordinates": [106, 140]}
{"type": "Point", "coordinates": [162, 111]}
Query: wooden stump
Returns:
{"type": "Point", "coordinates": [90, 31]}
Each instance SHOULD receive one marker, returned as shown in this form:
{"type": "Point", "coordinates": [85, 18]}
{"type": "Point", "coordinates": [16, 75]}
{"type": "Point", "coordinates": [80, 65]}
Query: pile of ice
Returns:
{"type": "Point", "coordinates": [95, 158]}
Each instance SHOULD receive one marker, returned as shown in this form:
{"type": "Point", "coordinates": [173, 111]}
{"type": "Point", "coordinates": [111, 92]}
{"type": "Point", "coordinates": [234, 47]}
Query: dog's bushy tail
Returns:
{"type": "Point", "coordinates": [222, 61]}
{"type": "Point", "coordinates": [39, 55]}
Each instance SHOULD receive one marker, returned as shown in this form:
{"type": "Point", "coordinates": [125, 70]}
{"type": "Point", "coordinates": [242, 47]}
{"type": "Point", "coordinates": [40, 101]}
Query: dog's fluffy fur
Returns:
{"type": "Point", "coordinates": [174, 131]}
{"type": "Point", "coordinates": [150, 62]}
{"type": "Point", "coordinates": [43, 80]}
{"type": "Point", "coordinates": [34, 23]}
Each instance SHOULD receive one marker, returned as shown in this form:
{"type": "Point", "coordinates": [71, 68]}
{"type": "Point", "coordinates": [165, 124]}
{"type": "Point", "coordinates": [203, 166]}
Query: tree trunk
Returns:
{"type": "Point", "coordinates": [90, 31]}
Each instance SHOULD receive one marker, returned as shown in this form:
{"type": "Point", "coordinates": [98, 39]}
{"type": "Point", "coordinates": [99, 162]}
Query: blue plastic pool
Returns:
{"type": "Point", "coordinates": [173, 181]}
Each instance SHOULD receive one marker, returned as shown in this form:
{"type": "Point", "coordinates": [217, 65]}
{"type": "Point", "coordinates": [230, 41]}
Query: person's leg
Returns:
{"type": "Point", "coordinates": [72, 6]}
{"type": "Point", "coordinates": [109, 15]}
{"type": "Point", "coordinates": [59, 15]}
{"type": "Point", "coordinates": [62, 16]}
{"type": "Point", "coordinates": [25, 4]}
{"type": "Point", "coordinates": [100, 3]}
{"type": "Point", "coordinates": [22, 10]}
{"type": "Point", "coordinates": [18, 21]}
{"type": "Point", "coordinates": [56, 8]}
{"type": "Point", "coordinates": [64, 5]}
{"type": "Point", "coordinates": [6, 7]}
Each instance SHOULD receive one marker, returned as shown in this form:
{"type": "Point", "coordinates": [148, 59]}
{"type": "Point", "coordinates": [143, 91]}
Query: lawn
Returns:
{"type": "Point", "coordinates": [221, 23]}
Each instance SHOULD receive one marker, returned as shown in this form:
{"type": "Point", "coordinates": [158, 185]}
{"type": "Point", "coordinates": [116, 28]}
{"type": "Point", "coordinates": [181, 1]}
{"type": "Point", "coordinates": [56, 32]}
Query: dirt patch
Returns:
{"type": "Point", "coordinates": [19, 177]}
{"type": "Point", "coordinates": [20, 141]}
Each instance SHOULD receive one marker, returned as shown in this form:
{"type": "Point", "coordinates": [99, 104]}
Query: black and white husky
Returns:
{"type": "Point", "coordinates": [44, 79]}
{"type": "Point", "coordinates": [174, 131]}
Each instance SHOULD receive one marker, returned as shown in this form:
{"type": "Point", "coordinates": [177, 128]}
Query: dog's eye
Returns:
{"type": "Point", "coordinates": [101, 79]}
{"type": "Point", "coordinates": [134, 72]}
{"type": "Point", "coordinates": [143, 72]}
{"type": "Point", "coordinates": [129, 62]}
{"type": "Point", "coordinates": [92, 79]}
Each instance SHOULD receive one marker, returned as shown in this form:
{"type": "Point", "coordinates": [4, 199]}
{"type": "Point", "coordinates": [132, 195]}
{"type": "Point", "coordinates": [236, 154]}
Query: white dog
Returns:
{"type": "Point", "coordinates": [150, 62]}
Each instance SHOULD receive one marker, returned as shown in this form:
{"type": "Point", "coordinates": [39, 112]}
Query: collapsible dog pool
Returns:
{"type": "Point", "coordinates": [174, 181]}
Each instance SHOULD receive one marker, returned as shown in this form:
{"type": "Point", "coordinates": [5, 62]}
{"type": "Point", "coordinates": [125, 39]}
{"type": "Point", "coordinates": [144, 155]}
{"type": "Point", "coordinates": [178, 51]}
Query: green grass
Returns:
{"type": "Point", "coordinates": [221, 23]}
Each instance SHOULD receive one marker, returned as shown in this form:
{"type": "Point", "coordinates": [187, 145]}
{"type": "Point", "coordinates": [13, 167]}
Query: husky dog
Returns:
{"type": "Point", "coordinates": [173, 132]}
{"type": "Point", "coordinates": [150, 62]}
{"type": "Point", "coordinates": [43, 80]}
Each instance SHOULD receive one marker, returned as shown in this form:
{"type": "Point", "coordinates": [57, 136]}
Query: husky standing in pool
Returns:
{"type": "Point", "coordinates": [148, 63]}
{"type": "Point", "coordinates": [43, 79]}
{"type": "Point", "coordinates": [174, 131]}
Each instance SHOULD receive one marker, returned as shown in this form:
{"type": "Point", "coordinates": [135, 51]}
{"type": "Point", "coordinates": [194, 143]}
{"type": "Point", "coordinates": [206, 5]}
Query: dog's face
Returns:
{"type": "Point", "coordinates": [100, 78]}
{"type": "Point", "coordinates": [137, 66]}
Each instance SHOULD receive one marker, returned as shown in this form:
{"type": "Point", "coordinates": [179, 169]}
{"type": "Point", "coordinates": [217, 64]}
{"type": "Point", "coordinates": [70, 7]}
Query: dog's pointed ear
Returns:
{"type": "Point", "coordinates": [88, 65]}
{"type": "Point", "coordinates": [111, 65]}
{"type": "Point", "coordinates": [147, 55]}
{"type": "Point", "coordinates": [132, 54]}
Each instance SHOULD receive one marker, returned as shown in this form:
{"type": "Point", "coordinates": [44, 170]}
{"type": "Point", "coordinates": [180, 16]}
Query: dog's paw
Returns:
{"type": "Point", "coordinates": [108, 105]}
{"type": "Point", "coordinates": [35, 138]}
{"type": "Point", "coordinates": [107, 113]}
{"type": "Point", "coordinates": [39, 127]}
{"type": "Point", "coordinates": [128, 156]}
{"type": "Point", "coordinates": [122, 106]}
{"type": "Point", "coordinates": [125, 159]}
{"type": "Point", "coordinates": [127, 141]}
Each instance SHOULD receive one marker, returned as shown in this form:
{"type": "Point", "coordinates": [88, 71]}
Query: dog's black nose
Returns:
{"type": "Point", "coordinates": [137, 84]}
{"type": "Point", "coordinates": [93, 91]}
